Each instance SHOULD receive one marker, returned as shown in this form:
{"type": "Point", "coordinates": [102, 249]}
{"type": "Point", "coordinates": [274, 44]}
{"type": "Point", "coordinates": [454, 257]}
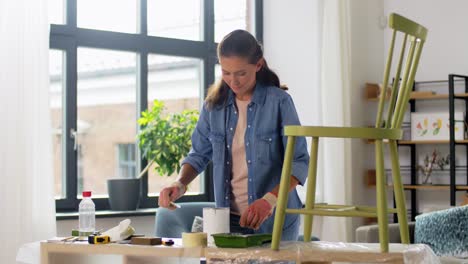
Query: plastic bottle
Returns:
{"type": "Point", "coordinates": [87, 215]}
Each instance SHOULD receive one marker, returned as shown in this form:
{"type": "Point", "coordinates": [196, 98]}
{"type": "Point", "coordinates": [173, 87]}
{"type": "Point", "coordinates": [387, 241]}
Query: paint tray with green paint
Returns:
{"type": "Point", "coordinates": [236, 240]}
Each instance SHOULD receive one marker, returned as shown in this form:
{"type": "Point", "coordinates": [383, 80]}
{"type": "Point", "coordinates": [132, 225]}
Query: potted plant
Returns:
{"type": "Point", "coordinates": [164, 140]}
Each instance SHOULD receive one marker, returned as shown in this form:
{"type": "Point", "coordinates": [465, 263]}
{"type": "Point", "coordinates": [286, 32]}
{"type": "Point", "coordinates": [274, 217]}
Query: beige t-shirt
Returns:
{"type": "Point", "coordinates": [239, 187]}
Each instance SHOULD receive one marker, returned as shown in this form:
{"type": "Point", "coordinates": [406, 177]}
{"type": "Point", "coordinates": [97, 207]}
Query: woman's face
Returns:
{"type": "Point", "coordinates": [239, 75]}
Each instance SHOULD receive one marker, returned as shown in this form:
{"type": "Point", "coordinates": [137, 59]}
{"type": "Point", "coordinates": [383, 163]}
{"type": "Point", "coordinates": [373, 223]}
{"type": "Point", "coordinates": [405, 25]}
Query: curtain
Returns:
{"type": "Point", "coordinates": [26, 189]}
{"type": "Point", "coordinates": [334, 172]}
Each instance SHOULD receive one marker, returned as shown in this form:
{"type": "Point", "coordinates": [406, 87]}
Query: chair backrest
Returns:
{"type": "Point", "coordinates": [402, 83]}
{"type": "Point", "coordinates": [171, 223]}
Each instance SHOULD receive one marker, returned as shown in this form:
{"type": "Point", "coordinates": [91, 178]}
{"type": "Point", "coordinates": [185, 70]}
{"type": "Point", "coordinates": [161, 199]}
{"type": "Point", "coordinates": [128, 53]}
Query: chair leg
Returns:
{"type": "Point", "coordinates": [399, 194]}
{"type": "Point", "coordinates": [311, 185]}
{"type": "Point", "coordinates": [382, 211]}
{"type": "Point", "coordinates": [283, 194]}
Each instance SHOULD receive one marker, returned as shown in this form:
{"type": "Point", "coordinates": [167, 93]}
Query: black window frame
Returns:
{"type": "Point", "coordinates": [68, 38]}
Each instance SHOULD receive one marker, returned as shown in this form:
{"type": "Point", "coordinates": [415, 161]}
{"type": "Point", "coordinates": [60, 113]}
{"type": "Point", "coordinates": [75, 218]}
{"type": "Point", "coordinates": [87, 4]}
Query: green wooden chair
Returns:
{"type": "Point", "coordinates": [391, 131]}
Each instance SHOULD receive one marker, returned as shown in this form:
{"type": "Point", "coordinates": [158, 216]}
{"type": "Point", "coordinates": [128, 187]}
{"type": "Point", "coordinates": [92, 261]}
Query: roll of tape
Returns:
{"type": "Point", "coordinates": [194, 239]}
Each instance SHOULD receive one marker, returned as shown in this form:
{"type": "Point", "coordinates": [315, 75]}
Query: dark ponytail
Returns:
{"type": "Point", "coordinates": [268, 77]}
{"type": "Point", "coordinates": [241, 43]}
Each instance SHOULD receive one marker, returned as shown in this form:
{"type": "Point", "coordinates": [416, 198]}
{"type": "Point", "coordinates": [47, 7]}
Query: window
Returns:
{"type": "Point", "coordinates": [118, 16]}
{"type": "Point", "coordinates": [232, 14]}
{"type": "Point", "coordinates": [106, 110]}
{"type": "Point", "coordinates": [126, 160]}
{"type": "Point", "coordinates": [79, 169]}
{"type": "Point", "coordinates": [168, 19]}
{"type": "Point", "coordinates": [56, 59]}
{"type": "Point", "coordinates": [176, 81]}
{"type": "Point", "coordinates": [106, 67]}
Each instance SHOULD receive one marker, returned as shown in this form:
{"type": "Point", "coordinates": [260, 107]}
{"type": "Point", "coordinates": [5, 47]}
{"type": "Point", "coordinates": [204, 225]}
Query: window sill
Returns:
{"type": "Point", "coordinates": [108, 213]}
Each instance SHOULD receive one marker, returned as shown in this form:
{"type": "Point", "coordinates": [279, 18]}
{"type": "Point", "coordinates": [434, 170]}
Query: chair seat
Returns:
{"type": "Point", "coordinates": [344, 132]}
{"type": "Point", "coordinates": [340, 210]}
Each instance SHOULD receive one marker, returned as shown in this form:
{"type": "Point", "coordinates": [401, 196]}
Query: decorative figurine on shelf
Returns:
{"type": "Point", "coordinates": [430, 162]}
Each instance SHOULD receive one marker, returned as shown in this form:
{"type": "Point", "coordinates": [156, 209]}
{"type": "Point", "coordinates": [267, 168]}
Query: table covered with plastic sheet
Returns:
{"type": "Point", "coordinates": [290, 252]}
{"type": "Point", "coordinates": [323, 252]}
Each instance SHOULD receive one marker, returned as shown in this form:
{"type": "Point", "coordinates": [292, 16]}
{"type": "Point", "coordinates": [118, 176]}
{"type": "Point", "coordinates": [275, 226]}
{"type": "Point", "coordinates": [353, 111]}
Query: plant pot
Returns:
{"type": "Point", "coordinates": [124, 194]}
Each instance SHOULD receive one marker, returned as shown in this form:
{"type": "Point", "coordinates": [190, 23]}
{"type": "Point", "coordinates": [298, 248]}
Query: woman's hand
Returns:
{"type": "Point", "coordinates": [170, 194]}
{"type": "Point", "coordinates": [254, 216]}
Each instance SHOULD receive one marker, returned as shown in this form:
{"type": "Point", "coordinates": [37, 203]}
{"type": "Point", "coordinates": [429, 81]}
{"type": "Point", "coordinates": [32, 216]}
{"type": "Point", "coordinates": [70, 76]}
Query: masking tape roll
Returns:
{"type": "Point", "coordinates": [194, 239]}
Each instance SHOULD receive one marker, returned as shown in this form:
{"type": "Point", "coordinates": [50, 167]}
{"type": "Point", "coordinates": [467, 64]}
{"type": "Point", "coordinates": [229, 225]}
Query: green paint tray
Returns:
{"type": "Point", "coordinates": [236, 240]}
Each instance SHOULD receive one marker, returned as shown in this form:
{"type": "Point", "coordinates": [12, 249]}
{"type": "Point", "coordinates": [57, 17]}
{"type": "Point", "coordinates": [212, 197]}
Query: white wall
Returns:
{"type": "Point", "coordinates": [367, 63]}
{"type": "Point", "coordinates": [446, 47]}
{"type": "Point", "coordinates": [445, 52]}
{"type": "Point", "coordinates": [291, 49]}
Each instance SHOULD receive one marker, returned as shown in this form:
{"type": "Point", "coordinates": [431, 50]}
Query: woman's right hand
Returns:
{"type": "Point", "coordinates": [170, 194]}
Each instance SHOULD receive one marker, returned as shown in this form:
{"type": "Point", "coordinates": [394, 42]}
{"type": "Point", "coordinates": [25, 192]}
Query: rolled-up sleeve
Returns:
{"type": "Point", "coordinates": [301, 156]}
{"type": "Point", "coordinates": [201, 151]}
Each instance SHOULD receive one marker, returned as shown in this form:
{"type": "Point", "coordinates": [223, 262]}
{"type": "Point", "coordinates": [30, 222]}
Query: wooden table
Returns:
{"type": "Point", "coordinates": [299, 252]}
{"type": "Point", "coordinates": [129, 252]}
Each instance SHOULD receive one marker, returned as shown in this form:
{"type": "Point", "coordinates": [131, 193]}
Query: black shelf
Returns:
{"type": "Point", "coordinates": [451, 97]}
{"type": "Point", "coordinates": [452, 78]}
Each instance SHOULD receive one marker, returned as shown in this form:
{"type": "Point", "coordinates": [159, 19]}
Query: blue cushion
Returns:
{"type": "Point", "coordinates": [446, 231]}
{"type": "Point", "coordinates": [171, 224]}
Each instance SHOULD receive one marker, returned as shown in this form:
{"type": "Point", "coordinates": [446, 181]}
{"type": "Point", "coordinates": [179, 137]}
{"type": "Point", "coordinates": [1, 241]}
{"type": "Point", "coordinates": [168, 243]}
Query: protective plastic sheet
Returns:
{"type": "Point", "coordinates": [290, 252]}
{"type": "Point", "coordinates": [321, 251]}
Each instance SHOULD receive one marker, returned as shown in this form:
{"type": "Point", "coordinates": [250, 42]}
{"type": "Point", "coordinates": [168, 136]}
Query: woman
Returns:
{"type": "Point", "coordinates": [241, 131]}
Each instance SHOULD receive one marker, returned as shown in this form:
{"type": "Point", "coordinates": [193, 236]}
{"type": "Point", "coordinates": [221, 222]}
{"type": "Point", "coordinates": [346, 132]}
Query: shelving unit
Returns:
{"type": "Point", "coordinates": [414, 187]}
{"type": "Point", "coordinates": [421, 142]}
{"type": "Point", "coordinates": [431, 97]}
{"type": "Point", "coordinates": [453, 143]}
{"type": "Point", "coordinates": [371, 183]}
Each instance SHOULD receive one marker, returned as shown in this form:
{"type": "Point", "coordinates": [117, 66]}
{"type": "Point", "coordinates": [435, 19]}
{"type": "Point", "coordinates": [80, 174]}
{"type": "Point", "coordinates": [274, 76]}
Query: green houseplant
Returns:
{"type": "Point", "coordinates": [165, 139]}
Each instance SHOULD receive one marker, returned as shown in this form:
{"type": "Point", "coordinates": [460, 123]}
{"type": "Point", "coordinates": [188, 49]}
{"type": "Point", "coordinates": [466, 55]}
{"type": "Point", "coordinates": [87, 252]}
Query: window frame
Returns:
{"type": "Point", "coordinates": [68, 38]}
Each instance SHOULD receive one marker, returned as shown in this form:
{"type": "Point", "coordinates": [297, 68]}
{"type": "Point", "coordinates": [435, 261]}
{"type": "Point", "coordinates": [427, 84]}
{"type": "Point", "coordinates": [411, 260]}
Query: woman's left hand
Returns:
{"type": "Point", "coordinates": [255, 214]}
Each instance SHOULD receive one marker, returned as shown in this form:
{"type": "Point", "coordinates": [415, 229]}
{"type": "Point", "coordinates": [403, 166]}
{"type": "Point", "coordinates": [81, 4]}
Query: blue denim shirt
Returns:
{"type": "Point", "coordinates": [268, 112]}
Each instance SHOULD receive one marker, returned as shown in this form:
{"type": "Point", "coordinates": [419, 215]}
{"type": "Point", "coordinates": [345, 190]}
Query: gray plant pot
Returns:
{"type": "Point", "coordinates": [124, 194]}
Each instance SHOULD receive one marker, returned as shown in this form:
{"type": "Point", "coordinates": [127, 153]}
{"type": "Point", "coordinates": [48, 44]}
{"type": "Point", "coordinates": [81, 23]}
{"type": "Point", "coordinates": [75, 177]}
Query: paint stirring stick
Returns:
{"type": "Point", "coordinates": [174, 204]}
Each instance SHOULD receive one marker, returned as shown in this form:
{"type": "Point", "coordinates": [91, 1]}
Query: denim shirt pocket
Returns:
{"type": "Point", "coordinates": [218, 146]}
{"type": "Point", "coordinates": [265, 147]}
